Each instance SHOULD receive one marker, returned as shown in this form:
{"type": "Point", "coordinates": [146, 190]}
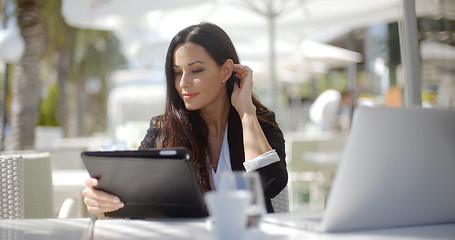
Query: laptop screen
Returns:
{"type": "Point", "coordinates": [397, 169]}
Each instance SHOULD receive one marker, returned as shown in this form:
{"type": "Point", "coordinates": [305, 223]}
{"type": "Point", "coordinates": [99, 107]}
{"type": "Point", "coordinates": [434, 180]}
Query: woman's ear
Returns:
{"type": "Point", "coordinates": [227, 69]}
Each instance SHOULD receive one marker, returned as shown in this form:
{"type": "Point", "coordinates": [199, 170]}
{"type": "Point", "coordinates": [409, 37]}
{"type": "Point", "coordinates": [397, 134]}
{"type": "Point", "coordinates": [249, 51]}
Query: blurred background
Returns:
{"type": "Point", "coordinates": [89, 74]}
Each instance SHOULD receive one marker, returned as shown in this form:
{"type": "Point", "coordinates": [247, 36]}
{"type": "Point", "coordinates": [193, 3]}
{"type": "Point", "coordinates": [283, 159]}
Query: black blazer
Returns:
{"type": "Point", "coordinates": [274, 177]}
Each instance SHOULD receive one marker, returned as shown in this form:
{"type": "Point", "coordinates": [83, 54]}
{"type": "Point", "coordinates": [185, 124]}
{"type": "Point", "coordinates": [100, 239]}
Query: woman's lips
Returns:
{"type": "Point", "coordinates": [188, 96]}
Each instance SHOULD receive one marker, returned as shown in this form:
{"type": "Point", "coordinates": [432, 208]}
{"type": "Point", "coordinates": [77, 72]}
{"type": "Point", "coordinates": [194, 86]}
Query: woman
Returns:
{"type": "Point", "coordinates": [211, 110]}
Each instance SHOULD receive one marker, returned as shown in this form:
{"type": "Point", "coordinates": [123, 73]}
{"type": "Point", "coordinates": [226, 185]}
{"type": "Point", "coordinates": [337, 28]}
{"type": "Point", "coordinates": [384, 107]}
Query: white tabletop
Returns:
{"type": "Point", "coordinates": [177, 230]}
{"type": "Point", "coordinates": [32, 229]}
{"type": "Point", "coordinates": [38, 229]}
{"type": "Point", "coordinates": [200, 229]}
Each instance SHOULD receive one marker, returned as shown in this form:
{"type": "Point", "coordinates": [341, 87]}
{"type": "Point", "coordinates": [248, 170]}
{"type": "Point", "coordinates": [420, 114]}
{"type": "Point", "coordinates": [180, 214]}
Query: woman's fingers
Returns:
{"type": "Point", "coordinates": [99, 206]}
{"type": "Point", "coordinates": [241, 67]}
{"type": "Point", "coordinates": [242, 72]}
{"type": "Point", "coordinates": [100, 195]}
{"type": "Point", "coordinates": [92, 193]}
{"type": "Point", "coordinates": [100, 210]}
{"type": "Point", "coordinates": [91, 182]}
{"type": "Point", "coordinates": [101, 203]}
{"type": "Point", "coordinates": [241, 95]}
{"type": "Point", "coordinates": [98, 201]}
{"type": "Point", "coordinates": [91, 202]}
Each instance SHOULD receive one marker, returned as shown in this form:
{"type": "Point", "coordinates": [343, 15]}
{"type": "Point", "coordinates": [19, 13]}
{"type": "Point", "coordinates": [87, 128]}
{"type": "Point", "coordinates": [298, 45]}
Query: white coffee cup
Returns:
{"type": "Point", "coordinates": [228, 209]}
{"type": "Point", "coordinates": [249, 181]}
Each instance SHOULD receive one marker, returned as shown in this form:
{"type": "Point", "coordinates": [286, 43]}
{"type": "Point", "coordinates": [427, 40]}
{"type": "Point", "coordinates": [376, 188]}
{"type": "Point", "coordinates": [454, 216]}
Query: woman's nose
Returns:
{"type": "Point", "coordinates": [185, 80]}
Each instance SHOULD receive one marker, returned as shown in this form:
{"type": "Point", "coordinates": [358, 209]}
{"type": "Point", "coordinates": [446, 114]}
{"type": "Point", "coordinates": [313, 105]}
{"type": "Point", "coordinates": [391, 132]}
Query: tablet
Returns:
{"type": "Point", "coordinates": [154, 183]}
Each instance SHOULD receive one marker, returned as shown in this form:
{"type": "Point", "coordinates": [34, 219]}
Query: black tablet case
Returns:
{"type": "Point", "coordinates": [155, 183]}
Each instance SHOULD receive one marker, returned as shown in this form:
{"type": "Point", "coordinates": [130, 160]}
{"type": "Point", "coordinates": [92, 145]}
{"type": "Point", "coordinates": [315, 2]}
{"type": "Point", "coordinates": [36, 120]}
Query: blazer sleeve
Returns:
{"type": "Point", "coordinates": [149, 140]}
{"type": "Point", "coordinates": [274, 176]}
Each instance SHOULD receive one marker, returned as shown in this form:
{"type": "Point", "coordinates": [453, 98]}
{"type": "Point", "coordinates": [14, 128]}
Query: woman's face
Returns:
{"type": "Point", "coordinates": [198, 78]}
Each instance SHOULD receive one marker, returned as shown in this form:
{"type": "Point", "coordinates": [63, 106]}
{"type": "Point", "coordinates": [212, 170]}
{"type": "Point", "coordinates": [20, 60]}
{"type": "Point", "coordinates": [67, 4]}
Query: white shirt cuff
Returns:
{"type": "Point", "coordinates": [261, 161]}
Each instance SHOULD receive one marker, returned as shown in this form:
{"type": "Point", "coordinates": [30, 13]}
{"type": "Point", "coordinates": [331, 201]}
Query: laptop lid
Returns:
{"type": "Point", "coordinates": [155, 183]}
{"type": "Point", "coordinates": [397, 169]}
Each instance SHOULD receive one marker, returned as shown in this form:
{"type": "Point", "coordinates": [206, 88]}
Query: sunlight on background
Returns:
{"type": "Point", "coordinates": [102, 72]}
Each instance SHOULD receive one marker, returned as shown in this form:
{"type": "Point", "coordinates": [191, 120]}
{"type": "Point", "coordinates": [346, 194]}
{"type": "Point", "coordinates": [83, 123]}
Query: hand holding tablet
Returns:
{"type": "Point", "coordinates": [97, 201]}
{"type": "Point", "coordinates": [154, 183]}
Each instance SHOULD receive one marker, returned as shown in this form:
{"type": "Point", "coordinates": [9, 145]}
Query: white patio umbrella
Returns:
{"type": "Point", "coordinates": [113, 14]}
{"type": "Point", "coordinates": [317, 58]}
{"type": "Point", "coordinates": [263, 23]}
{"type": "Point", "coordinates": [251, 18]}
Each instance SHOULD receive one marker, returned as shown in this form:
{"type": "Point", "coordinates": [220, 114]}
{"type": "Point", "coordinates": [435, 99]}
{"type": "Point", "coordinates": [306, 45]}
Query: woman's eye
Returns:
{"type": "Point", "coordinates": [198, 70]}
{"type": "Point", "coordinates": [178, 73]}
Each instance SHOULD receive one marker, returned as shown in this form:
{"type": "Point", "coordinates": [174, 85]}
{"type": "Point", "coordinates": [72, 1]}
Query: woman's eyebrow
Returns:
{"type": "Point", "coordinates": [189, 64]}
{"type": "Point", "coordinates": [197, 61]}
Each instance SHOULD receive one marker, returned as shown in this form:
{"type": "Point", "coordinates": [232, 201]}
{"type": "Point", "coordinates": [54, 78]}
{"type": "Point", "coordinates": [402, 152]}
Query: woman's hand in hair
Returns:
{"type": "Point", "coordinates": [99, 202]}
{"type": "Point", "coordinates": [241, 96]}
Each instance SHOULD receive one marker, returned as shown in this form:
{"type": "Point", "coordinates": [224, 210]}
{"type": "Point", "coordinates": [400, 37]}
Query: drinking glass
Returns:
{"type": "Point", "coordinates": [250, 181]}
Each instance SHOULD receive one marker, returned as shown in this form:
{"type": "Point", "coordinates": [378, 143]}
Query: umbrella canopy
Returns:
{"type": "Point", "coordinates": [149, 25]}
{"type": "Point", "coordinates": [113, 14]}
{"type": "Point", "coordinates": [146, 26]}
{"type": "Point", "coordinates": [264, 31]}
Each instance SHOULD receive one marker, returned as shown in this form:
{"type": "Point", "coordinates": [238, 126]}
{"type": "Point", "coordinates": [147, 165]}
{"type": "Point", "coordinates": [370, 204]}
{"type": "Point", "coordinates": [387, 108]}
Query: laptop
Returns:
{"type": "Point", "coordinates": [155, 183]}
{"type": "Point", "coordinates": [397, 170]}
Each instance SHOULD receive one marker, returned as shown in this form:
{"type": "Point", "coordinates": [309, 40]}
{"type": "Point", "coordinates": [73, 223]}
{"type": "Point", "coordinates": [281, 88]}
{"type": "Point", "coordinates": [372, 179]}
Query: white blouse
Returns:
{"type": "Point", "coordinates": [224, 162]}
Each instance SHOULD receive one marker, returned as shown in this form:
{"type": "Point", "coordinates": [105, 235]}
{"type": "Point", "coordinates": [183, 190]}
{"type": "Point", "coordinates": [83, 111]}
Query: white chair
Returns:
{"type": "Point", "coordinates": [68, 209]}
{"type": "Point", "coordinates": [38, 187]}
{"type": "Point", "coordinates": [324, 110]}
{"type": "Point", "coordinates": [26, 186]}
{"type": "Point", "coordinates": [11, 187]}
{"type": "Point", "coordinates": [280, 203]}
{"type": "Point", "coordinates": [312, 162]}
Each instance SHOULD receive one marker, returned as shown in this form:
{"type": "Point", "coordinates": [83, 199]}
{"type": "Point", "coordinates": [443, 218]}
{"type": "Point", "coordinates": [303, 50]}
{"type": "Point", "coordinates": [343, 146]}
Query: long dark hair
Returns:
{"type": "Point", "coordinates": [183, 128]}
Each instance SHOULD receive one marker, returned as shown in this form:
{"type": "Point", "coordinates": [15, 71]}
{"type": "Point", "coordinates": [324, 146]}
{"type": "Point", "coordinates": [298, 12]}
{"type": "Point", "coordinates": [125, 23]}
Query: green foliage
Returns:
{"type": "Point", "coordinates": [95, 53]}
{"type": "Point", "coordinates": [305, 90]}
{"type": "Point", "coordinates": [334, 79]}
{"type": "Point", "coordinates": [58, 34]}
{"type": "Point", "coordinates": [48, 108]}
{"type": "Point", "coordinates": [9, 83]}
{"type": "Point", "coordinates": [429, 96]}
{"type": "Point", "coordinates": [73, 55]}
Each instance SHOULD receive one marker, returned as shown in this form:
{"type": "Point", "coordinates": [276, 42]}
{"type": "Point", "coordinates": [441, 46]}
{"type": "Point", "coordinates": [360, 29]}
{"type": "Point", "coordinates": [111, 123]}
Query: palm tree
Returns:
{"type": "Point", "coordinates": [26, 82]}
{"type": "Point", "coordinates": [96, 54]}
{"type": "Point", "coordinates": [4, 18]}
{"type": "Point", "coordinates": [58, 55]}
{"type": "Point", "coordinates": [3, 14]}
{"type": "Point", "coordinates": [69, 56]}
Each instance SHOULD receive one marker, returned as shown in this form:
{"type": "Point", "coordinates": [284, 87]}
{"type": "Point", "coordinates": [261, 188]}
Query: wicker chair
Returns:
{"type": "Point", "coordinates": [11, 187]}
{"type": "Point", "coordinates": [26, 186]}
{"type": "Point", "coordinates": [280, 203]}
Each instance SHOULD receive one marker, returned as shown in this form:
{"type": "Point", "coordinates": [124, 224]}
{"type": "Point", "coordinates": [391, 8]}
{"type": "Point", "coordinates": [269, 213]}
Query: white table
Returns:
{"type": "Point", "coordinates": [433, 232]}
{"type": "Point", "coordinates": [200, 229]}
{"type": "Point", "coordinates": [38, 229]}
{"type": "Point", "coordinates": [68, 229]}
{"type": "Point", "coordinates": [178, 230]}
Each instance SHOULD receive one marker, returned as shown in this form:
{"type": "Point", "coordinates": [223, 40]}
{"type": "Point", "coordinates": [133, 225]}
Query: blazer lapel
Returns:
{"type": "Point", "coordinates": [235, 140]}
